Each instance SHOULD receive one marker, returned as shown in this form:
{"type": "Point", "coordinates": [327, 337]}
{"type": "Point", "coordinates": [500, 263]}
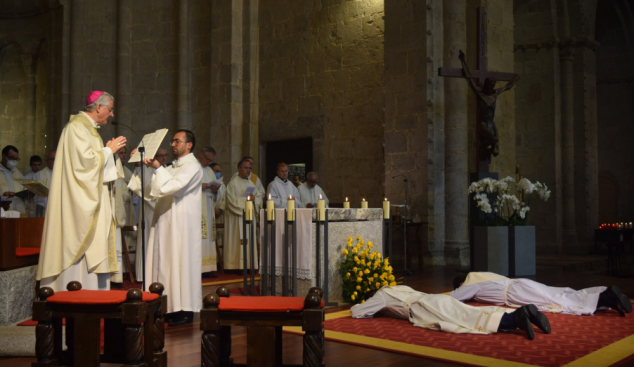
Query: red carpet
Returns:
{"type": "Point", "coordinates": [601, 340]}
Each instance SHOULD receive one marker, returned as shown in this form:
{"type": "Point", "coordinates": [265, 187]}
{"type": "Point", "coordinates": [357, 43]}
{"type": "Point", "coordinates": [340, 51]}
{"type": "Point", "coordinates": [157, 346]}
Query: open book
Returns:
{"type": "Point", "coordinates": [36, 187]}
{"type": "Point", "coordinates": [152, 143]}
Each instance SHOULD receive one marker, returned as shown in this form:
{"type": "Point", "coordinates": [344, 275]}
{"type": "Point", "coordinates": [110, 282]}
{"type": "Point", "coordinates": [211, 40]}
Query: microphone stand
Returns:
{"type": "Point", "coordinates": [141, 150]}
{"type": "Point", "coordinates": [405, 270]}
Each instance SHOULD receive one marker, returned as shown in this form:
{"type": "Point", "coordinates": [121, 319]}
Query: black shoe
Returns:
{"type": "Point", "coordinates": [537, 318]}
{"type": "Point", "coordinates": [114, 285]}
{"type": "Point", "coordinates": [625, 300]}
{"type": "Point", "coordinates": [523, 322]}
{"type": "Point", "coordinates": [609, 298]}
{"type": "Point", "coordinates": [179, 318]}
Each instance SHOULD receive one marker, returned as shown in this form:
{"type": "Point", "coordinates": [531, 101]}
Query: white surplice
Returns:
{"type": "Point", "coordinates": [78, 238]}
{"type": "Point", "coordinates": [42, 176]}
{"type": "Point", "coordinates": [496, 289]}
{"type": "Point", "coordinates": [431, 311]}
{"type": "Point", "coordinates": [208, 214]}
{"type": "Point", "coordinates": [310, 195]}
{"type": "Point", "coordinates": [174, 245]}
{"type": "Point", "coordinates": [235, 202]}
{"type": "Point", "coordinates": [11, 180]}
{"type": "Point", "coordinates": [280, 191]}
{"type": "Point", "coordinates": [150, 203]}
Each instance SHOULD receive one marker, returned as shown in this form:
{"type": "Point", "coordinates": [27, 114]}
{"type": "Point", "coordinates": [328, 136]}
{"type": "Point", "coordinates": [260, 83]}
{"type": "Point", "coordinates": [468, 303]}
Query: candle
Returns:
{"type": "Point", "coordinates": [290, 208]}
{"type": "Point", "coordinates": [321, 209]}
{"type": "Point", "coordinates": [386, 209]}
{"type": "Point", "coordinates": [248, 208]}
{"type": "Point", "coordinates": [270, 209]}
{"type": "Point", "coordinates": [630, 225]}
{"type": "Point", "coordinates": [364, 204]}
{"type": "Point", "coordinates": [346, 204]}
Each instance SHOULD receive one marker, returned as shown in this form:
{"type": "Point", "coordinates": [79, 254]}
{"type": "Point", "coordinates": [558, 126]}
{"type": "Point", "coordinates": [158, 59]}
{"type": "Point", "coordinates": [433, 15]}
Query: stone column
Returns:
{"type": "Point", "coordinates": [435, 133]}
{"type": "Point", "coordinates": [456, 138]}
{"type": "Point", "coordinates": [30, 69]}
{"type": "Point", "coordinates": [566, 57]}
{"type": "Point", "coordinates": [253, 141]}
{"type": "Point", "coordinates": [123, 86]}
{"type": "Point", "coordinates": [183, 119]}
{"type": "Point", "coordinates": [237, 65]}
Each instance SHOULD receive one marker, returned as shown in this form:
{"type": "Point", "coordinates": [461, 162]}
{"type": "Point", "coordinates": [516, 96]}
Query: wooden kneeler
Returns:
{"type": "Point", "coordinates": [129, 318]}
{"type": "Point", "coordinates": [264, 318]}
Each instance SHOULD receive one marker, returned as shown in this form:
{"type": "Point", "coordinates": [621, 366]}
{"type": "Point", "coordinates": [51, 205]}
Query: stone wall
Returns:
{"type": "Point", "coordinates": [321, 75]}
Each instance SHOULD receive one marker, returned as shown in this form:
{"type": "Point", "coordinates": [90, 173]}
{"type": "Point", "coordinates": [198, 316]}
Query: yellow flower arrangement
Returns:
{"type": "Point", "coordinates": [363, 271]}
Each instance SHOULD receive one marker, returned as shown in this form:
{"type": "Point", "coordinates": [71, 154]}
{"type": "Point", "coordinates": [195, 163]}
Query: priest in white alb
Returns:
{"type": "Point", "coordinates": [78, 242]}
{"type": "Point", "coordinates": [444, 313]}
{"type": "Point", "coordinates": [237, 190]}
{"type": "Point", "coordinates": [281, 188]}
{"type": "Point", "coordinates": [310, 192]}
{"type": "Point", "coordinates": [11, 178]}
{"type": "Point", "coordinates": [499, 290]}
{"type": "Point", "coordinates": [174, 245]}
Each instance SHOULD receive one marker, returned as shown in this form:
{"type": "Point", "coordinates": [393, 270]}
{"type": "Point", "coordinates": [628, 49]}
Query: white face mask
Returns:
{"type": "Point", "coordinates": [11, 164]}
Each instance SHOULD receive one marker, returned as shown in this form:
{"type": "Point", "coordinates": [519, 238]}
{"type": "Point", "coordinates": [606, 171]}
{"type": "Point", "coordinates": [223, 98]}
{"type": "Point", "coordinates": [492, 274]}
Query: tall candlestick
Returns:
{"type": "Point", "coordinates": [346, 204]}
{"type": "Point", "coordinates": [386, 209]}
{"type": "Point", "coordinates": [248, 208]}
{"type": "Point", "coordinates": [321, 209]}
{"type": "Point", "coordinates": [270, 209]}
{"type": "Point", "coordinates": [290, 208]}
{"type": "Point", "coordinates": [364, 204]}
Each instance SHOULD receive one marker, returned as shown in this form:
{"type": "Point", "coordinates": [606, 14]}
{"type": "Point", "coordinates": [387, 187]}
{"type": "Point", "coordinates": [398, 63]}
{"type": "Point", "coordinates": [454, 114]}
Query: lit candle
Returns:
{"type": "Point", "coordinates": [321, 209]}
{"type": "Point", "coordinates": [386, 209]}
{"type": "Point", "coordinates": [248, 208]}
{"type": "Point", "coordinates": [346, 204]}
{"type": "Point", "coordinates": [290, 208]}
{"type": "Point", "coordinates": [630, 225]}
{"type": "Point", "coordinates": [270, 209]}
{"type": "Point", "coordinates": [364, 204]}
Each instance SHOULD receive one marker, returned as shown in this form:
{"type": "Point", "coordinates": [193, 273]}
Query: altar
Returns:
{"type": "Point", "coordinates": [342, 223]}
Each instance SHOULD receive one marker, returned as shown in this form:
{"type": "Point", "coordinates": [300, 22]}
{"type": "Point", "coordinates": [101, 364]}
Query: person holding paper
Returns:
{"type": "Point", "coordinates": [205, 157]}
{"type": "Point", "coordinates": [281, 187]}
{"type": "Point", "coordinates": [238, 189]}
{"type": "Point", "coordinates": [42, 176]}
{"type": "Point", "coordinates": [309, 191]}
{"type": "Point", "coordinates": [11, 178]}
{"type": "Point", "coordinates": [78, 242]}
{"type": "Point", "coordinates": [256, 181]}
{"type": "Point", "coordinates": [174, 246]}
{"type": "Point", "coordinates": [219, 191]}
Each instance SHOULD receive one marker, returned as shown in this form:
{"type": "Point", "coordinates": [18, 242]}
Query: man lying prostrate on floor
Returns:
{"type": "Point", "coordinates": [500, 290]}
{"type": "Point", "coordinates": [444, 313]}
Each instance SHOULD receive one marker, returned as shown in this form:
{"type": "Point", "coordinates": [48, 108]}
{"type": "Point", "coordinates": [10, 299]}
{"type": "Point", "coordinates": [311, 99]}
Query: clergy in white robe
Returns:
{"type": "Point", "coordinates": [208, 244]}
{"type": "Point", "coordinates": [309, 191]}
{"type": "Point", "coordinates": [78, 240]}
{"type": "Point", "coordinates": [147, 214]}
{"type": "Point", "coordinates": [499, 290]}
{"type": "Point", "coordinates": [444, 313]}
{"type": "Point", "coordinates": [235, 204]}
{"type": "Point", "coordinates": [11, 178]}
{"type": "Point", "coordinates": [120, 195]}
{"type": "Point", "coordinates": [281, 188]}
{"type": "Point", "coordinates": [174, 246]}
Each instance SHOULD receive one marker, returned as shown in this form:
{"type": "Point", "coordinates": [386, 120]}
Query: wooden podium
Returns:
{"type": "Point", "coordinates": [20, 240]}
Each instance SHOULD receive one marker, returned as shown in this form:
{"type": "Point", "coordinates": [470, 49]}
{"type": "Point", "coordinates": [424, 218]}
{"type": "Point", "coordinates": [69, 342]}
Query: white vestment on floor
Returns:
{"type": "Point", "coordinates": [310, 195]}
{"type": "Point", "coordinates": [150, 203]}
{"type": "Point", "coordinates": [208, 214]}
{"type": "Point", "coordinates": [235, 202]}
{"type": "Point", "coordinates": [431, 311]}
{"type": "Point", "coordinates": [174, 244]}
{"type": "Point", "coordinates": [280, 191]}
{"type": "Point", "coordinates": [499, 290]}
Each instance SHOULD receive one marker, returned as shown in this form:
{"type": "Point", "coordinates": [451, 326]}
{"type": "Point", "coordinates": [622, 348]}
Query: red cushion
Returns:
{"type": "Point", "coordinates": [89, 297]}
{"type": "Point", "coordinates": [26, 251]}
{"type": "Point", "coordinates": [262, 304]}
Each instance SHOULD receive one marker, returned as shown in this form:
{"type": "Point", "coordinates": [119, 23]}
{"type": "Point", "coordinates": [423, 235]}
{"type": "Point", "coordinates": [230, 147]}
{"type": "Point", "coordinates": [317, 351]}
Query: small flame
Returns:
{"type": "Point", "coordinates": [346, 198]}
{"type": "Point", "coordinates": [385, 199]}
{"type": "Point", "coordinates": [363, 199]}
{"type": "Point", "coordinates": [319, 196]}
{"type": "Point", "coordinates": [290, 197]}
{"type": "Point", "coordinates": [269, 196]}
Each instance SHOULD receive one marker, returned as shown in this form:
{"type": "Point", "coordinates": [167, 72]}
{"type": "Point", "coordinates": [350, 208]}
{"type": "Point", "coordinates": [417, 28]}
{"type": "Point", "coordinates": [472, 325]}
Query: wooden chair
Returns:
{"type": "Point", "coordinates": [20, 240]}
{"type": "Point", "coordinates": [264, 318]}
{"type": "Point", "coordinates": [129, 318]}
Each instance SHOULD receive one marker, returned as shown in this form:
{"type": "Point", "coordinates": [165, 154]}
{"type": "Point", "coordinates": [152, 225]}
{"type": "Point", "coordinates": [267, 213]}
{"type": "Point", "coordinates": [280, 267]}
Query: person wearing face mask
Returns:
{"type": "Point", "coordinates": [11, 178]}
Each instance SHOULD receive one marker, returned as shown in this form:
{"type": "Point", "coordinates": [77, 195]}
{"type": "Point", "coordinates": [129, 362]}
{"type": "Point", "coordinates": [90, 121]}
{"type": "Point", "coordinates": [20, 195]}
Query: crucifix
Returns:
{"type": "Point", "coordinates": [487, 136]}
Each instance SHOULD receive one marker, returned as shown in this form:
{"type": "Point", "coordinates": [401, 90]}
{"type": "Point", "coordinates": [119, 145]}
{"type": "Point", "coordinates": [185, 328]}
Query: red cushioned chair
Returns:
{"type": "Point", "coordinates": [264, 318]}
{"type": "Point", "coordinates": [129, 317]}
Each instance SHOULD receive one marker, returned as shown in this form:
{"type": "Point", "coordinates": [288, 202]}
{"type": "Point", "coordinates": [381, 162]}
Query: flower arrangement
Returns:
{"type": "Point", "coordinates": [363, 272]}
{"type": "Point", "coordinates": [505, 202]}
